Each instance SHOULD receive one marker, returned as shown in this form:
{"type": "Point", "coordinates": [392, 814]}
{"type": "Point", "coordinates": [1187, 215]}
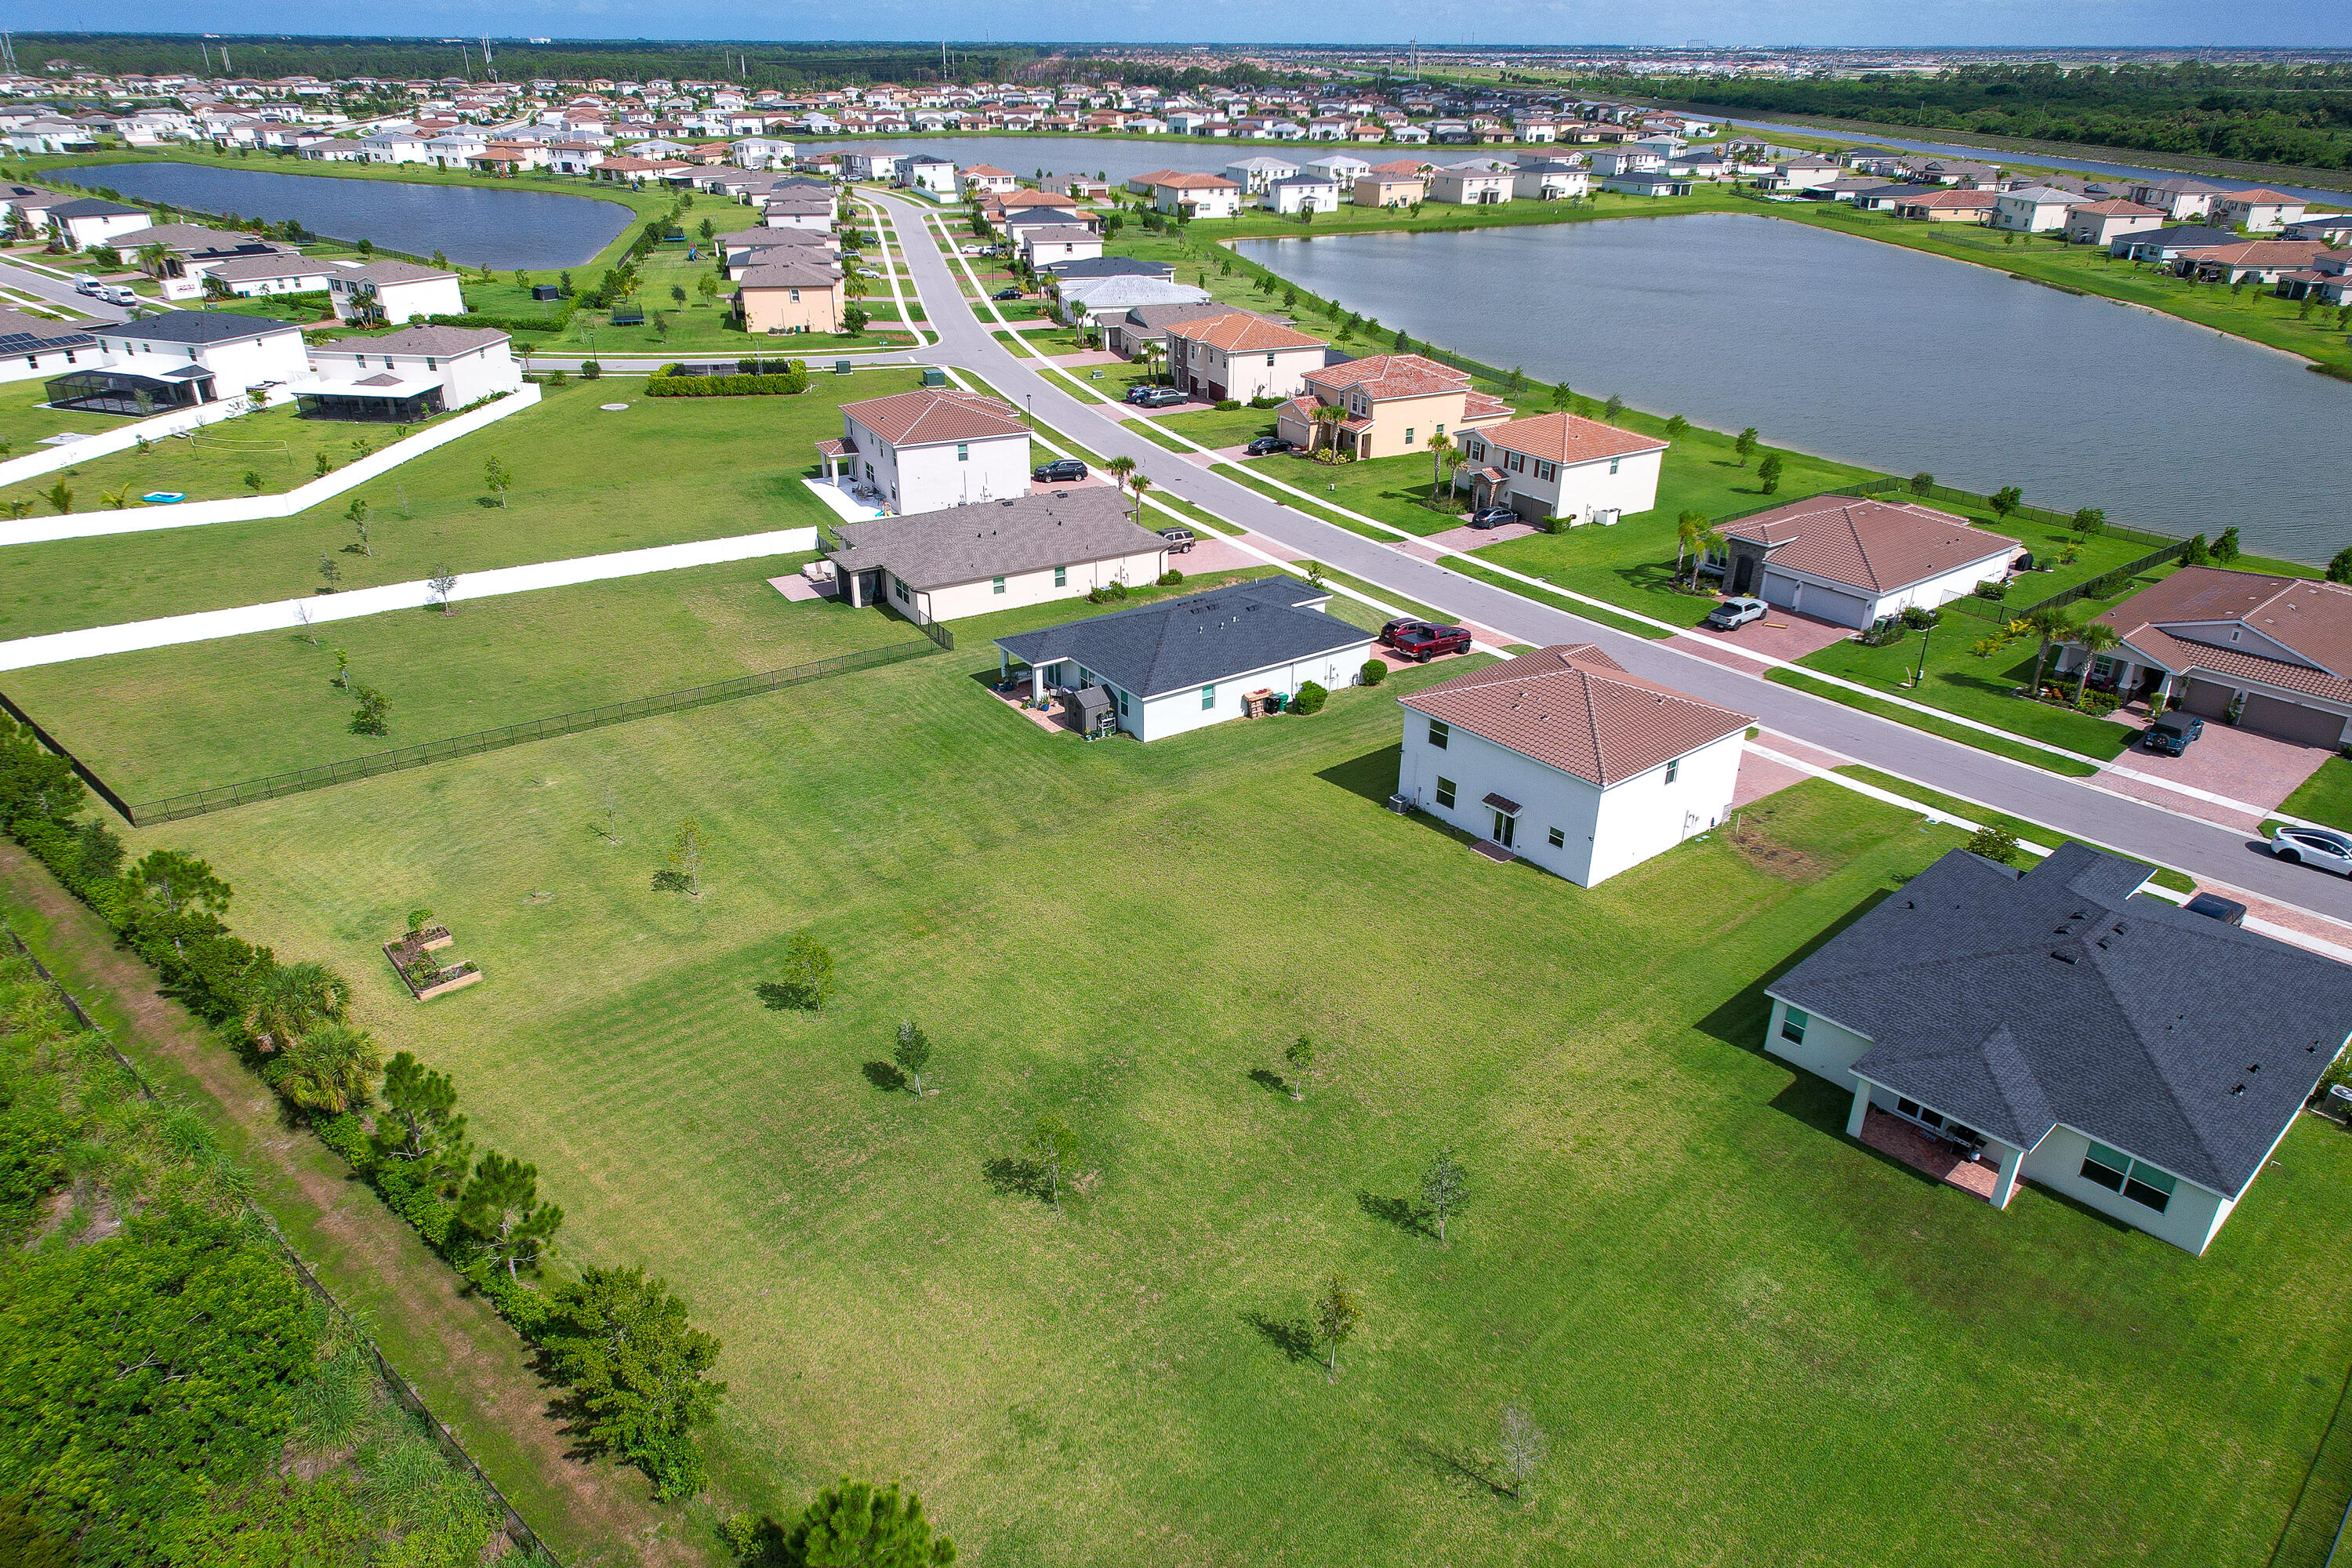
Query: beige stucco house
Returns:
{"type": "Point", "coordinates": [1388, 403]}
{"type": "Point", "coordinates": [789, 296]}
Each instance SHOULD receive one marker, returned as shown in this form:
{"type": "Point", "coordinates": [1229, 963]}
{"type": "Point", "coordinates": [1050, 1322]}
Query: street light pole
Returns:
{"type": "Point", "coordinates": [1925, 633]}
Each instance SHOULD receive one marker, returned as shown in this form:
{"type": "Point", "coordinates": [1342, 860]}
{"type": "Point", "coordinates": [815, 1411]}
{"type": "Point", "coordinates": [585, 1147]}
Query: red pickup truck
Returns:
{"type": "Point", "coordinates": [1423, 641]}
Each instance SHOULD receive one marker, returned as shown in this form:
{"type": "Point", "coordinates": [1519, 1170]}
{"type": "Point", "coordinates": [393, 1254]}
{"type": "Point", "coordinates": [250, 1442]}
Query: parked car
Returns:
{"type": "Point", "coordinates": [1423, 641]}
{"type": "Point", "coordinates": [1010, 293]}
{"type": "Point", "coordinates": [1141, 389]}
{"type": "Point", "coordinates": [2229, 911]}
{"type": "Point", "coordinates": [1159, 397]}
{"type": "Point", "coordinates": [1493, 517]}
{"type": "Point", "coordinates": [1180, 539]}
{"type": "Point", "coordinates": [1266, 446]}
{"type": "Point", "coordinates": [2172, 733]}
{"type": "Point", "coordinates": [1733, 614]}
{"type": "Point", "coordinates": [980, 250]}
{"type": "Point", "coordinates": [89, 285]}
{"type": "Point", "coordinates": [2321, 846]}
{"type": "Point", "coordinates": [1061, 471]}
{"type": "Point", "coordinates": [118, 295]}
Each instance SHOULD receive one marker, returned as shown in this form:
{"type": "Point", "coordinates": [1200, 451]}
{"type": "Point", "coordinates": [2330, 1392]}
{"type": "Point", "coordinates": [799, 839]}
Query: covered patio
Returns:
{"type": "Point", "coordinates": [1926, 1139]}
{"type": "Point", "coordinates": [120, 390]}
{"type": "Point", "coordinates": [383, 399]}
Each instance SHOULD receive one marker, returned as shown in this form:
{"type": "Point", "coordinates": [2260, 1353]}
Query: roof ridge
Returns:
{"type": "Point", "coordinates": [1592, 723]}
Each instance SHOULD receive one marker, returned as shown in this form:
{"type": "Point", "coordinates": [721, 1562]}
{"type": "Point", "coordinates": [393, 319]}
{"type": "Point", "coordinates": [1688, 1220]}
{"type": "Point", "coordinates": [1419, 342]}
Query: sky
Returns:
{"type": "Point", "coordinates": [2015, 23]}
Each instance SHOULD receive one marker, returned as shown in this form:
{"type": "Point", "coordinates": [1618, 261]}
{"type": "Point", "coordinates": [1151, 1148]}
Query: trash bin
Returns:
{"type": "Point", "coordinates": [840, 367]}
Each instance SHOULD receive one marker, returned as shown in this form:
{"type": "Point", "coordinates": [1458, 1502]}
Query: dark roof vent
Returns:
{"type": "Point", "coordinates": [2062, 957]}
{"type": "Point", "coordinates": [2239, 1090]}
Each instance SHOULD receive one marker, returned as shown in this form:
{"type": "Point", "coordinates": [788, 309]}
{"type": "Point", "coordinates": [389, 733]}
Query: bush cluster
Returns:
{"type": "Point", "coordinates": [727, 385]}
{"type": "Point", "coordinates": [1309, 698]}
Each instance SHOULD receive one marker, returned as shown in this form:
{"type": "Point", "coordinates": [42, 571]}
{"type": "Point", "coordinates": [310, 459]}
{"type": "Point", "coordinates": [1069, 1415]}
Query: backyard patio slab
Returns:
{"type": "Point", "coordinates": [1899, 1138]}
{"type": "Point", "coordinates": [1466, 538]}
{"type": "Point", "coordinates": [800, 590]}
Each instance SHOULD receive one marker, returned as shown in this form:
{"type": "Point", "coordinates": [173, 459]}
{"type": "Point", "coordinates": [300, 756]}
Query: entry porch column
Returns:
{"type": "Point", "coordinates": [1861, 1108]}
{"type": "Point", "coordinates": [2006, 1181]}
{"type": "Point", "coordinates": [1037, 683]}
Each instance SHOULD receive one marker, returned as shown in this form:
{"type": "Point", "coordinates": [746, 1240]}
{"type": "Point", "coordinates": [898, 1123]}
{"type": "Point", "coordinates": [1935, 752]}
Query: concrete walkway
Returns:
{"type": "Point", "coordinates": [284, 614]}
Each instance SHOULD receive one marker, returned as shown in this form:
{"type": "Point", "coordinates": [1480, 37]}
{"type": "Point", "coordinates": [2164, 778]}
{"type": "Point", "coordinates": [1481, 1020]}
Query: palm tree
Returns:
{"type": "Point", "coordinates": [1139, 484]}
{"type": "Point", "coordinates": [2052, 625]}
{"type": "Point", "coordinates": [330, 1069]}
{"type": "Point", "coordinates": [1688, 530]}
{"type": "Point", "coordinates": [1328, 420]}
{"type": "Point", "coordinates": [1119, 469]}
{"type": "Point", "coordinates": [291, 1000]}
{"type": "Point", "coordinates": [2095, 638]}
{"type": "Point", "coordinates": [1443, 457]}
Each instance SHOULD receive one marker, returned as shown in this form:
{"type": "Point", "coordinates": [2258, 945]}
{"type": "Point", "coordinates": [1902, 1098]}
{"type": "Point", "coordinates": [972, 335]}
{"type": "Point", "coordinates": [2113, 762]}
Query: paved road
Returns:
{"type": "Point", "coordinates": [2206, 851]}
{"type": "Point", "coordinates": [25, 280]}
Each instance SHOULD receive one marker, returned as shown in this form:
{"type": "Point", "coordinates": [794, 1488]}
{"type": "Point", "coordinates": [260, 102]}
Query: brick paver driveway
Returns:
{"type": "Point", "coordinates": [2261, 770]}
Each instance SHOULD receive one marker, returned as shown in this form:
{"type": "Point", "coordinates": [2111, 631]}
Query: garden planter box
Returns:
{"type": "Point", "coordinates": [446, 984]}
{"type": "Point", "coordinates": [404, 954]}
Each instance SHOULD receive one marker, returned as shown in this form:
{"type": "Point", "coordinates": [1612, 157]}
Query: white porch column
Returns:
{"type": "Point", "coordinates": [1004, 664]}
{"type": "Point", "coordinates": [1037, 683]}
{"type": "Point", "coordinates": [2006, 1184]}
{"type": "Point", "coordinates": [1861, 1110]}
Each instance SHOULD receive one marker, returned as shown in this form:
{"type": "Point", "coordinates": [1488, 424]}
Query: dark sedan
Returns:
{"type": "Point", "coordinates": [1266, 445]}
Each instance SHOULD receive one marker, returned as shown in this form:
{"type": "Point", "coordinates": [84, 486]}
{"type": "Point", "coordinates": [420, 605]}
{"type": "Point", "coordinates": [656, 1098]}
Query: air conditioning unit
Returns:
{"type": "Point", "coordinates": [1400, 805]}
{"type": "Point", "coordinates": [1606, 516]}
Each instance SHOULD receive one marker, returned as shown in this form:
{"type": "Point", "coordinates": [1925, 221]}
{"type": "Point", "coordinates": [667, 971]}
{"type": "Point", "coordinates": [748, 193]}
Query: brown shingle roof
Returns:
{"type": "Point", "coordinates": [1576, 709]}
{"type": "Point", "coordinates": [1875, 545]}
{"type": "Point", "coordinates": [913, 418]}
{"type": "Point", "coordinates": [1566, 438]}
{"type": "Point", "coordinates": [1243, 332]}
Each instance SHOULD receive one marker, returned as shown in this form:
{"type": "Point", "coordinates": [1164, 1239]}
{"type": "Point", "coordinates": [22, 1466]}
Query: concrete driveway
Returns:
{"type": "Point", "coordinates": [1779, 634]}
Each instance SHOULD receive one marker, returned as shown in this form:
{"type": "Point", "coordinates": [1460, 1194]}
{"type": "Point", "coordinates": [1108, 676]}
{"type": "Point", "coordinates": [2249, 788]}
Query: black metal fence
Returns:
{"type": "Point", "coordinates": [198, 803]}
{"type": "Point", "coordinates": [81, 771]}
{"type": "Point", "coordinates": [514, 1526]}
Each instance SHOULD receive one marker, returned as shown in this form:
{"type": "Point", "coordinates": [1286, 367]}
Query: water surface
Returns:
{"type": "Point", "coordinates": [1881, 356]}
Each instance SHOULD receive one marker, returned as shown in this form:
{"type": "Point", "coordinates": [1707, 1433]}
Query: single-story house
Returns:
{"type": "Point", "coordinates": [1143, 327]}
{"type": "Point", "coordinates": [2273, 652]}
{"type": "Point", "coordinates": [1947, 207]}
{"type": "Point", "coordinates": [1091, 301]}
{"type": "Point", "coordinates": [2247, 260]}
{"type": "Point", "coordinates": [932, 447]}
{"type": "Point", "coordinates": [796, 209]}
{"type": "Point", "coordinates": [1189, 662]}
{"type": "Point", "coordinates": [2102, 223]}
{"type": "Point", "coordinates": [1302, 193]}
{"type": "Point", "coordinates": [1851, 562]}
{"type": "Point", "coordinates": [791, 294]}
{"type": "Point", "coordinates": [1647, 182]}
{"type": "Point", "coordinates": [1567, 761]}
{"type": "Point", "coordinates": [2164, 245]}
{"type": "Point", "coordinates": [2129, 1055]}
{"type": "Point", "coordinates": [1561, 466]}
{"type": "Point", "coordinates": [969, 559]}
{"type": "Point", "coordinates": [1241, 355]}
{"type": "Point", "coordinates": [394, 291]}
{"type": "Point", "coordinates": [249, 277]}
{"type": "Point", "coordinates": [1110, 267]}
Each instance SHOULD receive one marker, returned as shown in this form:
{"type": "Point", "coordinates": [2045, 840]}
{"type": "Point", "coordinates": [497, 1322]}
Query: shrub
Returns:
{"type": "Point", "coordinates": [1373, 672]}
{"type": "Point", "coordinates": [589, 370]}
{"type": "Point", "coordinates": [1170, 578]}
{"type": "Point", "coordinates": [788, 385]}
{"type": "Point", "coordinates": [1107, 594]}
{"type": "Point", "coordinates": [1995, 591]}
{"type": "Point", "coordinates": [1985, 647]}
{"type": "Point", "coordinates": [1265, 403]}
{"type": "Point", "coordinates": [1309, 699]}
{"type": "Point", "coordinates": [1226, 405]}
{"type": "Point", "coordinates": [1918, 617]}
{"type": "Point", "coordinates": [2098, 704]}
{"type": "Point", "coordinates": [1994, 843]}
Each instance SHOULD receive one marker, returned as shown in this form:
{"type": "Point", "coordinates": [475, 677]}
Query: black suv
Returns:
{"type": "Point", "coordinates": [1060, 471]}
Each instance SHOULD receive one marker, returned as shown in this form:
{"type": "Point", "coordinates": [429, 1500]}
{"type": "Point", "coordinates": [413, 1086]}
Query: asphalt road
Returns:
{"type": "Point", "coordinates": [25, 279]}
{"type": "Point", "coordinates": [2204, 850]}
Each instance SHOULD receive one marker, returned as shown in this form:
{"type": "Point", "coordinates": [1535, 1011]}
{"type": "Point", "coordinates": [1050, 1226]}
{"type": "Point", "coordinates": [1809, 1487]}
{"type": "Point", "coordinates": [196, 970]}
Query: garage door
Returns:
{"type": "Point", "coordinates": [1838, 609]}
{"type": "Point", "coordinates": [2291, 720]}
{"type": "Point", "coordinates": [2205, 699]}
{"type": "Point", "coordinates": [1779, 590]}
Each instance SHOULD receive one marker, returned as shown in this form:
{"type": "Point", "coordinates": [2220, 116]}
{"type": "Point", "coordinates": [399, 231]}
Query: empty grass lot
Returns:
{"type": "Point", "coordinates": [667, 469]}
{"type": "Point", "coordinates": [1750, 1339]}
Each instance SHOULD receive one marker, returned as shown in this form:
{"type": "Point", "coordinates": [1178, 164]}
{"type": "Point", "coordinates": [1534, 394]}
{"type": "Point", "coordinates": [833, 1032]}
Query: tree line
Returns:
{"type": "Point", "coordinates": [618, 1343]}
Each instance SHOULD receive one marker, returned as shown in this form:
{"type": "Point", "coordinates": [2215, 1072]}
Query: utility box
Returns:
{"type": "Point", "coordinates": [934, 376]}
{"type": "Point", "coordinates": [840, 367]}
{"type": "Point", "coordinates": [544, 292]}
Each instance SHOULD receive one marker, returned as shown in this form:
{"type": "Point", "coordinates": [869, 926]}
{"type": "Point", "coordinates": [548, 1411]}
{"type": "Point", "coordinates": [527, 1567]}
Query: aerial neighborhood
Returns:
{"type": "Point", "coordinates": [767, 801]}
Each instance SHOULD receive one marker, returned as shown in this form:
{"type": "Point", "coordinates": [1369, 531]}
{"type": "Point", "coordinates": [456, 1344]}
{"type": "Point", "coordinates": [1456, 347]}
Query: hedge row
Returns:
{"type": "Point", "coordinates": [555, 323]}
{"type": "Point", "coordinates": [727, 385]}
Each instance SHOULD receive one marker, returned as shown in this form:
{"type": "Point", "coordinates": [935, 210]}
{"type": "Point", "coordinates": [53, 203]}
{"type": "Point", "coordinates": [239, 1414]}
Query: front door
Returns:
{"type": "Point", "coordinates": [1505, 827]}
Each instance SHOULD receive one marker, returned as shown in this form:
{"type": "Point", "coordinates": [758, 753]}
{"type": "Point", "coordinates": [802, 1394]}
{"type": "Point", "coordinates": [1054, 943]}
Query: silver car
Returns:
{"type": "Point", "coordinates": [2320, 847]}
{"type": "Point", "coordinates": [1733, 614]}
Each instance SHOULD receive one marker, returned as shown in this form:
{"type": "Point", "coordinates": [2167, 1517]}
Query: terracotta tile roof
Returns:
{"type": "Point", "coordinates": [1390, 375]}
{"type": "Point", "coordinates": [2119, 209]}
{"type": "Point", "coordinates": [1875, 545]}
{"type": "Point", "coordinates": [1576, 709]}
{"type": "Point", "coordinates": [2257, 253]}
{"type": "Point", "coordinates": [2263, 196]}
{"type": "Point", "coordinates": [2310, 618]}
{"type": "Point", "coordinates": [1193, 182]}
{"type": "Point", "coordinates": [991, 170]}
{"type": "Point", "coordinates": [1243, 332]}
{"type": "Point", "coordinates": [1566, 438]}
{"type": "Point", "coordinates": [1982, 199]}
{"type": "Point", "coordinates": [934, 413]}
{"type": "Point", "coordinates": [1478, 405]}
{"type": "Point", "coordinates": [2161, 649]}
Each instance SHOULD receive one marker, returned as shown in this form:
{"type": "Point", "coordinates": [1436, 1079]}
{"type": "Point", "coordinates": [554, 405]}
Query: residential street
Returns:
{"type": "Point", "coordinates": [27, 280]}
{"type": "Point", "coordinates": [2212, 854]}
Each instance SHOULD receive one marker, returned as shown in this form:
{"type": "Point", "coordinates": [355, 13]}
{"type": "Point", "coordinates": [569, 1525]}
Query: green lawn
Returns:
{"type": "Point", "coordinates": [2325, 796]}
{"type": "Point", "coordinates": [1960, 682]}
{"type": "Point", "coordinates": [1221, 427]}
{"type": "Point", "coordinates": [586, 482]}
{"type": "Point", "coordinates": [1749, 1339]}
{"type": "Point", "coordinates": [25, 418]}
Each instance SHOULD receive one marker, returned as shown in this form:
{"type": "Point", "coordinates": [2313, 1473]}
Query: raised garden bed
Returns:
{"type": "Point", "coordinates": [425, 976]}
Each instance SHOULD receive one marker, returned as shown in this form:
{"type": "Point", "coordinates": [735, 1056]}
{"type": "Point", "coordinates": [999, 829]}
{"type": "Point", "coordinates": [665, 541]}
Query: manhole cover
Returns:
{"type": "Point", "coordinates": [614, 407]}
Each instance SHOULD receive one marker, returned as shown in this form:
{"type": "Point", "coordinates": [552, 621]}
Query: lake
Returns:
{"type": "Point", "coordinates": [474, 225]}
{"type": "Point", "coordinates": [1880, 356]}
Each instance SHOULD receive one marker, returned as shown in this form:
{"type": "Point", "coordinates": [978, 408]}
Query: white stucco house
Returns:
{"type": "Point", "coordinates": [1851, 562]}
{"type": "Point", "coordinates": [154, 363]}
{"type": "Point", "coordinates": [1186, 663]}
{"type": "Point", "coordinates": [2034, 209]}
{"type": "Point", "coordinates": [1301, 193]}
{"type": "Point", "coordinates": [1562, 759]}
{"type": "Point", "coordinates": [1004, 555]}
{"type": "Point", "coordinates": [1043, 245]}
{"type": "Point", "coordinates": [394, 291]}
{"type": "Point", "coordinates": [1255, 173]}
{"type": "Point", "coordinates": [405, 377]}
{"type": "Point", "coordinates": [931, 174]}
{"type": "Point", "coordinates": [1197, 195]}
{"type": "Point", "coordinates": [1241, 355]}
{"type": "Point", "coordinates": [2058, 1026]}
{"type": "Point", "coordinates": [932, 447]}
{"type": "Point", "coordinates": [38, 345]}
{"type": "Point", "coordinates": [91, 220]}
{"type": "Point", "coordinates": [1561, 466]}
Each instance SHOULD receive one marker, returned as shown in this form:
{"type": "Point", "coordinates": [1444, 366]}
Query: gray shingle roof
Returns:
{"type": "Point", "coordinates": [1198, 639]}
{"type": "Point", "coordinates": [198, 327]}
{"type": "Point", "coordinates": [2013, 1003]}
{"type": "Point", "coordinates": [93, 207]}
{"type": "Point", "coordinates": [928, 550]}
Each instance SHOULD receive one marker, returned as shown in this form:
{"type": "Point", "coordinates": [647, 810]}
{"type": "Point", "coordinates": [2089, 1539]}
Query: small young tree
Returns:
{"type": "Point", "coordinates": [1444, 1187]}
{"type": "Point", "coordinates": [329, 572]}
{"type": "Point", "coordinates": [420, 1121]}
{"type": "Point", "coordinates": [912, 1053]}
{"type": "Point", "coordinates": [1744, 444]}
{"type": "Point", "coordinates": [1562, 395]}
{"type": "Point", "coordinates": [495, 478]}
{"type": "Point", "coordinates": [357, 514]}
{"type": "Point", "coordinates": [1525, 1448]}
{"type": "Point", "coordinates": [1677, 427]}
{"type": "Point", "coordinates": [1922, 482]}
{"type": "Point", "coordinates": [374, 716]}
{"type": "Point", "coordinates": [634, 1373]}
{"type": "Point", "coordinates": [852, 1522]}
{"type": "Point", "coordinates": [1613, 408]}
{"type": "Point", "coordinates": [2225, 549]}
{"type": "Point", "coordinates": [303, 619]}
{"type": "Point", "coordinates": [2007, 500]}
{"type": "Point", "coordinates": [686, 854]}
{"type": "Point", "coordinates": [808, 973]}
{"type": "Point", "coordinates": [707, 285]}
{"type": "Point", "coordinates": [1767, 473]}
{"type": "Point", "coordinates": [2339, 565]}
{"type": "Point", "coordinates": [2087, 522]}
{"type": "Point", "coordinates": [443, 582]}
{"type": "Point", "coordinates": [253, 481]}
{"type": "Point", "coordinates": [1051, 1146]}
{"type": "Point", "coordinates": [1299, 1057]}
{"type": "Point", "coordinates": [1337, 1315]}
{"type": "Point", "coordinates": [343, 670]}
{"type": "Point", "coordinates": [61, 498]}
{"type": "Point", "coordinates": [322, 466]}
{"type": "Point", "coordinates": [610, 826]}
{"type": "Point", "coordinates": [1995, 842]}
{"type": "Point", "coordinates": [510, 1228]}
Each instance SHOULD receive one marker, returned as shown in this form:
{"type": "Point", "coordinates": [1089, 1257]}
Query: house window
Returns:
{"type": "Point", "coordinates": [997, 586]}
{"type": "Point", "coordinates": [1674, 768]}
{"type": "Point", "coordinates": [964, 452]}
{"type": "Point", "coordinates": [1613, 465]}
{"type": "Point", "coordinates": [1061, 576]}
{"type": "Point", "coordinates": [1440, 430]}
{"type": "Point", "coordinates": [1518, 463]}
{"type": "Point", "coordinates": [1122, 704]}
{"type": "Point", "coordinates": [1557, 839]}
{"type": "Point", "coordinates": [2135, 1179]}
{"type": "Point", "coordinates": [1919, 1114]}
{"type": "Point", "coordinates": [1792, 1025]}
{"type": "Point", "coordinates": [1439, 732]}
{"type": "Point", "coordinates": [1408, 435]}
{"type": "Point", "coordinates": [1446, 794]}
{"type": "Point", "coordinates": [1269, 359]}
{"type": "Point", "coordinates": [1208, 698]}
{"type": "Point", "coordinates": [899, 589]}
{"type": "Point", "coordinates": [1546, 470]}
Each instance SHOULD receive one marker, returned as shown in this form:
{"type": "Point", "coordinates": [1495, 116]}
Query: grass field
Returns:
{"type": "Point", "coordinates": [2325, 796]}
{"type": "Point", "coordinates": [586, 482]}
{"type": "Point", "coordinates": [1749, 1339]}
